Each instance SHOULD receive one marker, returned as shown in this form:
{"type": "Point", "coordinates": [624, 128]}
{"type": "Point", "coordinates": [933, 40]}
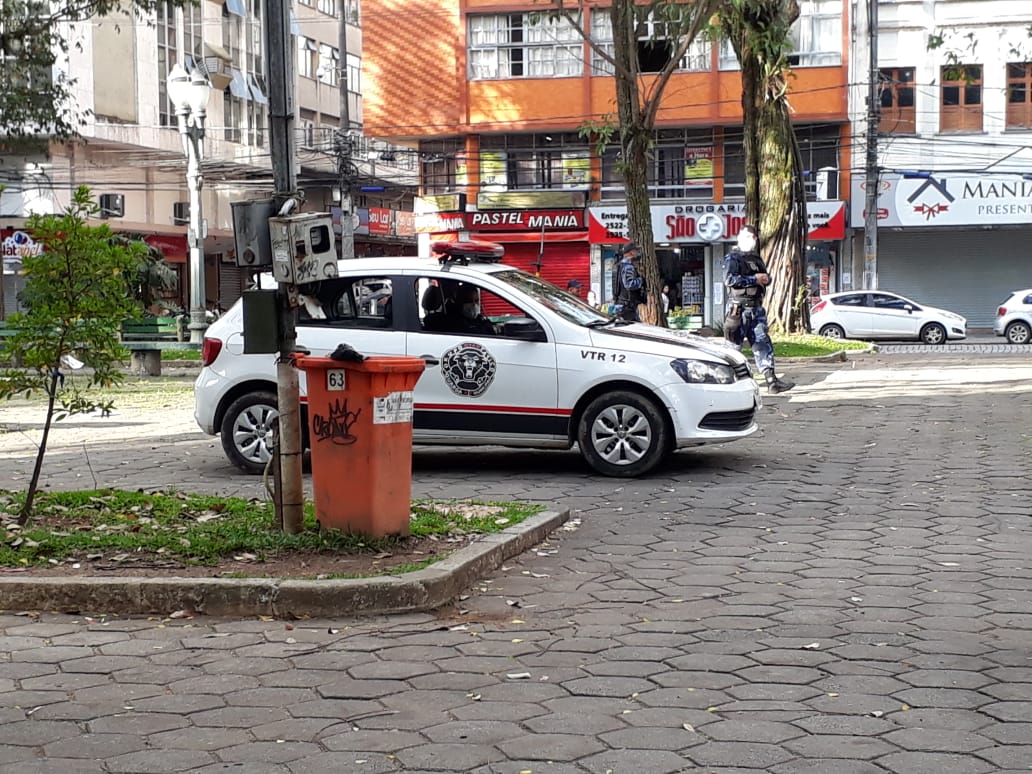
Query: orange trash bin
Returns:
{"type": "Point", "coordinates": [360, 434]}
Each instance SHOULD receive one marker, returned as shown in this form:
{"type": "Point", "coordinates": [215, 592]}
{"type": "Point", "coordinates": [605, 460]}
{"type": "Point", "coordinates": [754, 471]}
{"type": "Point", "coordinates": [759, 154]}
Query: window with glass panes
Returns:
{"type": "Point", "coordinates": [960, 108]}
{"type": "Point", "coordinates": [329, 61]}
{"type": "Point", "coordinates": [1019, 95]}
{"type": "Point", "coordinates": [306, 56]}
{"type": "Point", "coordinates": [352, 12]}
{"type": "Point", "coordinates": [233, 115]}
{"type": "Point", "coordinates": [655, 46]}
{"type": "Point", "coordinates": [167, 58]}
{"type": "Point", "coordinates": [522, 45]}
{"type": "Point", "coordinates": [816, 37]}
{"type": "Point", "coordinates": [438, 165]}
{"type": "Point", "coordinates": [734, 166]}
{"type": "Point", "coordinates": [193, 36]}
{"type": "Point", "coordinates": [354, 74]}
{"type": "Point", "coordinates": [540, 161]}
{"type": "Point", "coordinates": [898, 111]}
{"type": "Point", "coordinates": [328, 7]}
{"type": "Point", "coordinates": [818, 149]}
{"type": "Point", "coordinates": [817, 34]}
{"type": "Point", "coordinates": [668, 175]}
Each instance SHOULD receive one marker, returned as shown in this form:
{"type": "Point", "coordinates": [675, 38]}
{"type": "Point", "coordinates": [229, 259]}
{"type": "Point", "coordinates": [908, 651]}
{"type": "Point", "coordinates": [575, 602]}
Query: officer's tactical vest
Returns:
{"type": "Point", "coordinates": [747, 265]}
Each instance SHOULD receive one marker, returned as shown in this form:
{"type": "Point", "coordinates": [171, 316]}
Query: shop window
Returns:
{"type": "Point", "coordinates": [1019, 95]}
{"type": "Point", "coordinates": [898, 112]}
{"type": "Point", "coordinates": [960, 108]}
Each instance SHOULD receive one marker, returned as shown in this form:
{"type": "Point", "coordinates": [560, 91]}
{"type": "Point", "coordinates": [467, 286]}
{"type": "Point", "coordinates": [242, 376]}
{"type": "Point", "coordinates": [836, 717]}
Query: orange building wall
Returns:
{"type": "Point", "coordinates": [413, 68]}
{"type": "Point", "coordinates": [414, 82]}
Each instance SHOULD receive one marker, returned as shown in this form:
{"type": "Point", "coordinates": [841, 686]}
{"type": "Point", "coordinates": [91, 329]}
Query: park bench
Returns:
{"type": "Point", "coordinates": [152, 329]}
{"type": "Point", "coordinates": [144, 353]}
{"type": "Point", "coordinates": [145, 356]}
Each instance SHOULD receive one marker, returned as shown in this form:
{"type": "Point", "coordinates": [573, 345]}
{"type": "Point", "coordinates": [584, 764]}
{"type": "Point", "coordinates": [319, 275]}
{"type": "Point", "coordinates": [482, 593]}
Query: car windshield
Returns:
{"type": "Point", "coordinates": [564, 304]}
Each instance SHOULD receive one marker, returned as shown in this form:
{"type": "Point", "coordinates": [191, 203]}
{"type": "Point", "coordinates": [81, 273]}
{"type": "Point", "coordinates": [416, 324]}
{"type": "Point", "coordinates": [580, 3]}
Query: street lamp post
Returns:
{"type": "Point", "coordinates": [189, 93]}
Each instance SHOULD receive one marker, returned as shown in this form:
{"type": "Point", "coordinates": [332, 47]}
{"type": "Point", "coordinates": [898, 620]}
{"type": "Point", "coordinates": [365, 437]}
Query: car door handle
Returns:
{"type": "Point", "coordinates": [430, 360]}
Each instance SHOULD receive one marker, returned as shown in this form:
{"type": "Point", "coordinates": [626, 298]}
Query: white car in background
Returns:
{"type": "Point", "coordinates": [1014, 318]}
{"type": "Point", "coordinates": [876, 314]}
{"type": "Point", "coordinates": [542, 370]}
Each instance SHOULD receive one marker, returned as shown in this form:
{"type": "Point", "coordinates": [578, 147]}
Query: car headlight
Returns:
{"type": "Point", "coordinates": [701, 372]}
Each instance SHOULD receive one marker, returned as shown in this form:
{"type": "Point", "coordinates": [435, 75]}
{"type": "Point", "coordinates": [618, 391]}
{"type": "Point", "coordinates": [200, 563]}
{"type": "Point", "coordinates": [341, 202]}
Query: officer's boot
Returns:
{"type": "Point", "coordinates": [775, 384]}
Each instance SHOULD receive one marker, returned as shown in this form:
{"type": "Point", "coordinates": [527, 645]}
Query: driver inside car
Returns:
{"type": "Point", "coordinates": [464, 314]}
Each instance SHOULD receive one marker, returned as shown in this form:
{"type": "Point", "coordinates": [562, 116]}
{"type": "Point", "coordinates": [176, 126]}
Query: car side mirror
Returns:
{"type": "Point", "coordinates": [523, 329]}
{"type": "Point", "coordinates": [909, 308]}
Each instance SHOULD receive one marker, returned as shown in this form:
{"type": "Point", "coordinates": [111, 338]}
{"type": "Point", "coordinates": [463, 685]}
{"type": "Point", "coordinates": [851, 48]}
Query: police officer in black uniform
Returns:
{"type": "Point", "coordinates": [746, 278]}
{"type": "Point", "coordinates": [628, 283]}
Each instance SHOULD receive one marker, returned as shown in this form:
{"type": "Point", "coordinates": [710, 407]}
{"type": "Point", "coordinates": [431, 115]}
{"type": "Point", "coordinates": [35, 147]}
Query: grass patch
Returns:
{"type": "Point", "coordinates": [809, 345]}
{"type": "Point", "coordinates": [181, 354]}
{"type": "Point", "coordinates": [115, 525]}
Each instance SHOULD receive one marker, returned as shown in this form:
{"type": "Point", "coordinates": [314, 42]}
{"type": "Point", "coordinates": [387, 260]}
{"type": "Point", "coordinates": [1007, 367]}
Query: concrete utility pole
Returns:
{"type": "Point", "coordinates": [344, 145]}
{"type": "Point", "coordinates": [279, 49]}
{"type": "Point", "coordinates": [871, 182]}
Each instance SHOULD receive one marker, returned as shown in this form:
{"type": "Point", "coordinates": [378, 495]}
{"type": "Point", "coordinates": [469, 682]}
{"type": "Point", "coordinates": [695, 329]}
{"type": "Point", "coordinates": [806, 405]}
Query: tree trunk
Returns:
{"type": "Point", "coordinates": [775, 199]}
{"type": "Point", "coordinates": [635, 132]}
{"type": "Point", "coordinates": [30, 495]}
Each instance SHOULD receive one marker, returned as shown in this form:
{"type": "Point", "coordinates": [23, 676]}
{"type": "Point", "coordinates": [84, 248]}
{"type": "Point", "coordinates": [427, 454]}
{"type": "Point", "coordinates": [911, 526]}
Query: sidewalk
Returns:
{"type": "Point", "coordinates": [846, 593]}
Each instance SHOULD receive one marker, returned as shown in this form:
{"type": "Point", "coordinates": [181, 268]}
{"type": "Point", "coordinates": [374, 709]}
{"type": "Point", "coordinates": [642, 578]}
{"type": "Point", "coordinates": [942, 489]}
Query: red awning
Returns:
{"type": "Point", "coordinates": [172, 246]}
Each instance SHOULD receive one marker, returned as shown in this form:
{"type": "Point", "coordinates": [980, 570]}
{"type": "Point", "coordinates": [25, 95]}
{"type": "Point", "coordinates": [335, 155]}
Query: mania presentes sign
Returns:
{"type": "Point", "coordinates": [948, 199]}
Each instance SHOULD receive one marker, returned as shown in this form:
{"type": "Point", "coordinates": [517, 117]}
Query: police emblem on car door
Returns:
{"type": "Point", "coordinates": [487, 382]}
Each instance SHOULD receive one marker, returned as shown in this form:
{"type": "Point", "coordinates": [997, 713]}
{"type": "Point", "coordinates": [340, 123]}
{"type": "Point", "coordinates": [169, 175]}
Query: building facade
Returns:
{"type": "Point", "coordinates": [495, 101]}
{"type": "Point", "coordinates": [954, 152]}
{"type": "Point", "coordinates": [133, 154]}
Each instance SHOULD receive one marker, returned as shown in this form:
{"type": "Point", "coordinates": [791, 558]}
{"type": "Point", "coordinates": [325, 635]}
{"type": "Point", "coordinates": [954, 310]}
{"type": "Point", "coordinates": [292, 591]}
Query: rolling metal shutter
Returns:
{"type": "Point", "coordinates": [965, 272]}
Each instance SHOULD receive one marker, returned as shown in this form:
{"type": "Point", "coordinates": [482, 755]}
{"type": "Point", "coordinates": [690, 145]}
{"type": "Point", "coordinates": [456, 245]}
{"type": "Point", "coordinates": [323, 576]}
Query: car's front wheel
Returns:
{"type": "Point", "coordinates": [1018, 333]}
{"type": "Point", "coordinates": [933, 334]}
{"type": "Point", "coordinates": [832, 331]}
{"type": "Point", "coordinates": [247, 431]}
{"type": "Point", "coordinates": [623, 434]}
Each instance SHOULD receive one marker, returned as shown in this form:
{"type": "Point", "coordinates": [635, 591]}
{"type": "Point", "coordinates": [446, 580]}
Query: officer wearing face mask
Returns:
{"type": "Point", "coordinates": [746, 278]}
{"type": "Point", "coordinates": [466, 316]}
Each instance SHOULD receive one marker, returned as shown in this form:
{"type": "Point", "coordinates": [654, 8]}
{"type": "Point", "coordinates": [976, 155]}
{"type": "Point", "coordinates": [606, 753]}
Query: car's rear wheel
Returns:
{"type": "Point", "coordinates": [247, 431]}
{"type": "Point", "coordinates": [623, 434]}
{"type": "Point", "coordinates": [1018, 333]}
{"type": "Point", "coordinates": [933, 334]}
{"type": "Point", "coordinates": [832, 331]}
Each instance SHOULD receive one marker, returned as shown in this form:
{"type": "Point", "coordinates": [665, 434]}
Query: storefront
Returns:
{"type": "Point", "coordinates": [950, 240]}
{"type": "Point", "coordinates": [548, 241]}
{"type": "Point", "coordinates": [378, 231]}
{"type": "Point", "coordinates": [15, 245]}
{"type": "Point", "coordinates": [691, 242]}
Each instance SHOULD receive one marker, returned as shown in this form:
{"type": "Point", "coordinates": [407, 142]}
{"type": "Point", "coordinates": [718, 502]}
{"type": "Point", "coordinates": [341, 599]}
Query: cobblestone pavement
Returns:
{"type": "Point", "coordinates": [848, 593]}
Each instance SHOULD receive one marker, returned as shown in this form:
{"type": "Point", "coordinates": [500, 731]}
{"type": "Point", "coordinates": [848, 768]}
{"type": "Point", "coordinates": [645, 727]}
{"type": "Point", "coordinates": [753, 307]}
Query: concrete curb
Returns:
{"type": "Point", "coordinates": [424, 589]}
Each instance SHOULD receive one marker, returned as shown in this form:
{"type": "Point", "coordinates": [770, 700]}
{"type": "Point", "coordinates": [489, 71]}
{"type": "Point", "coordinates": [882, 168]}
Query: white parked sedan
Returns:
{"type": "Point", "coordinates": [524, 364]}
{"type": "Point", "coordinates": [876, 314]}
{"type": "Point", "coordinates": [1014, 318]}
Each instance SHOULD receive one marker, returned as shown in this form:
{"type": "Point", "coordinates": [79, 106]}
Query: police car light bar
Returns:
{"type": "Point", "coordinates": [464, 252]}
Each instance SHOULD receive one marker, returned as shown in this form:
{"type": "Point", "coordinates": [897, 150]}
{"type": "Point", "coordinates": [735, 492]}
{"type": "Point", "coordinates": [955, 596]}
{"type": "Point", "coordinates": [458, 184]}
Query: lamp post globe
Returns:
{"type": "Point", "coordinates": [189, 92]}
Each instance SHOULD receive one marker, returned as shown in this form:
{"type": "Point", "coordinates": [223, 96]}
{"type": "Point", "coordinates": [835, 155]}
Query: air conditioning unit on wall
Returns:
{"type": "Point", "coordinates": [180, 213]}
{"type": "Point", "coordinates": [112, 205]}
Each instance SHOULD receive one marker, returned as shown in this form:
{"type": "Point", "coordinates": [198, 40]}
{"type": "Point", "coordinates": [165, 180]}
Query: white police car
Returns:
{"type": "Point", "coordinates": [533, 366]}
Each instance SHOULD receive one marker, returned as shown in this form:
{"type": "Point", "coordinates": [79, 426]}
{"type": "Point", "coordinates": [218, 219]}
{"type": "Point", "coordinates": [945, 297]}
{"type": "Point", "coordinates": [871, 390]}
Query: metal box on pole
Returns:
{"type": "Point", "coordinates": [303, 248]}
